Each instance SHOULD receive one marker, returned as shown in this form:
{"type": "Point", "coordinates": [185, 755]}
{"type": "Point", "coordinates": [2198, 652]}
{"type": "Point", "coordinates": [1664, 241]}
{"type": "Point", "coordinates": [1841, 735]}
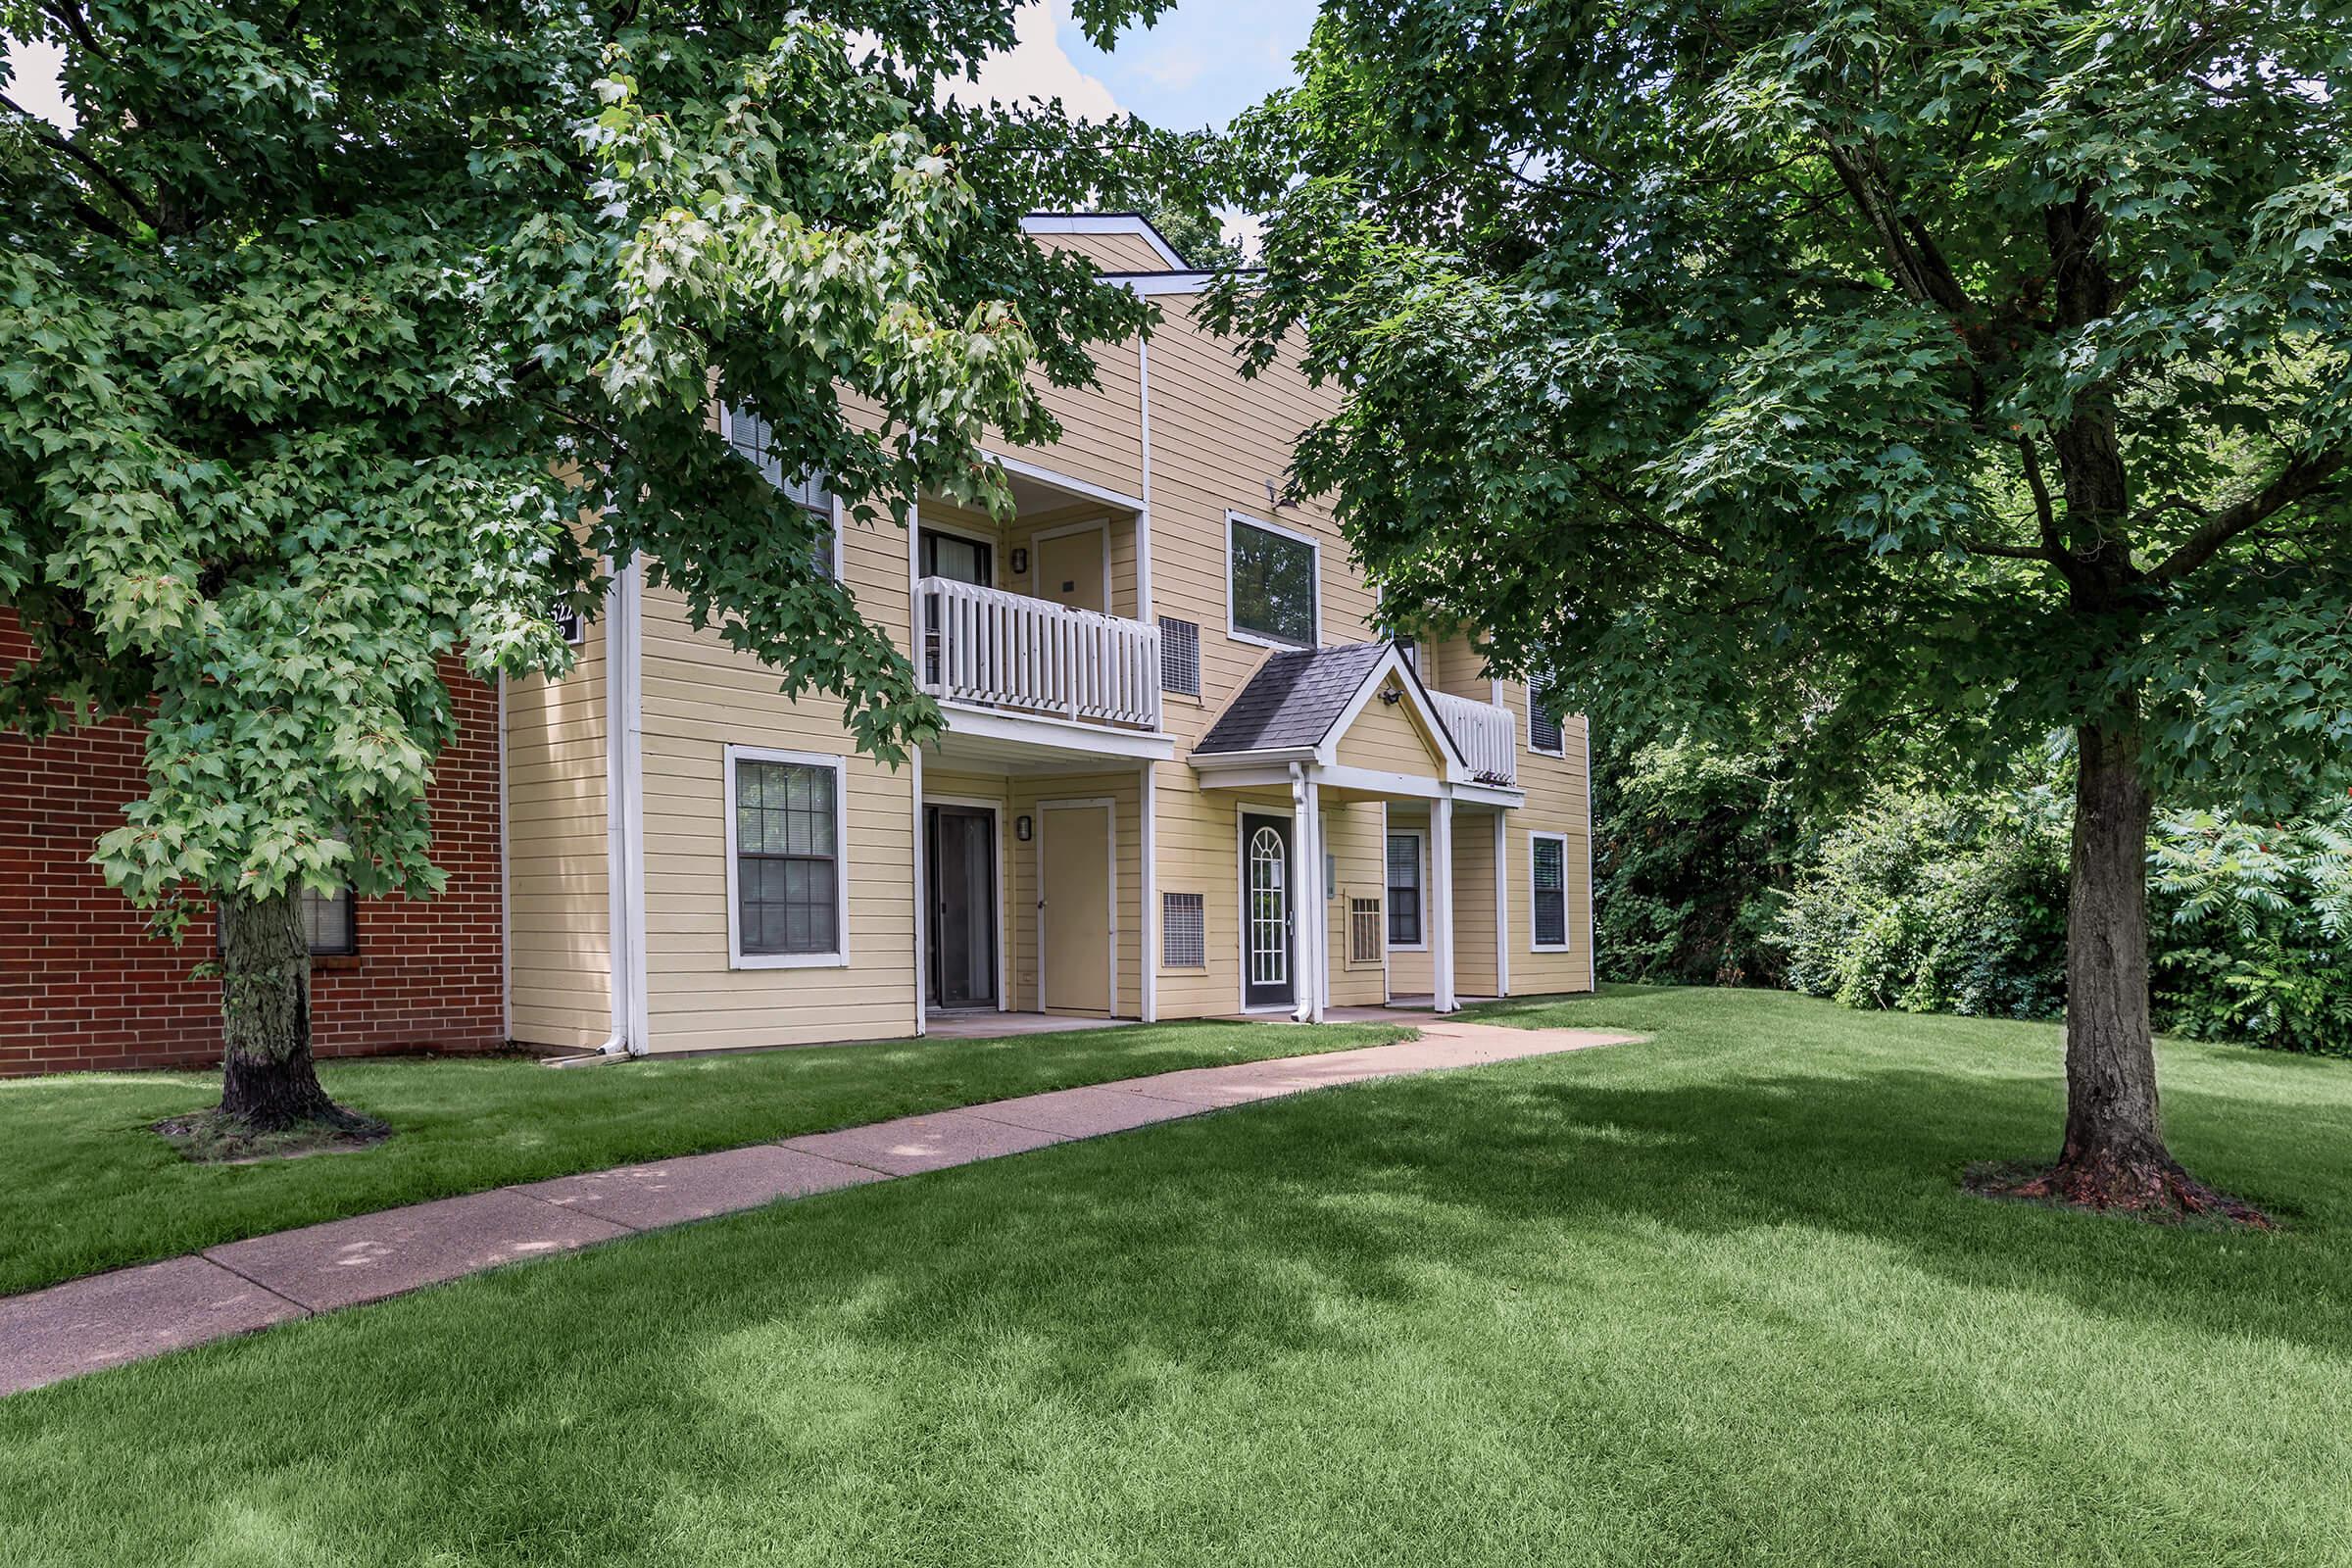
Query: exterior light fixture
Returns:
{"type": "Point", "coordinates": [1022, 827]}
{"type": "Point", "coordinates": [1020, 560]}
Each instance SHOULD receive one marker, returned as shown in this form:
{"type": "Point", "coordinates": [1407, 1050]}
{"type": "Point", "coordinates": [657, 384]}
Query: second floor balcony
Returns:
{"type": "Point", "coordinates": [1488, 735]}
{"type": "Point", "coordinates": [1007, 651]}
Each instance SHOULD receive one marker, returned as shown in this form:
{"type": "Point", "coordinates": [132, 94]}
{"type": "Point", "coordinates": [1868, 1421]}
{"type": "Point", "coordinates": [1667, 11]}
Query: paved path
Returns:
{"type": "Point", "coordinates": [108, 1319]}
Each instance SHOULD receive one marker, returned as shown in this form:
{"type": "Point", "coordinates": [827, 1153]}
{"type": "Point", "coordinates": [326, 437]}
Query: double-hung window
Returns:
{"type": "Point", "coordinates": [1543, 730]}
{"type": "Point", "coordinates": [1547, 891]}
{"type": "Point", "coordinates": [754, 439]}
{"type": "Point", "coordinates": [787, 894]}
{"type": "Point", "coordinates": [1404, 890]}
{"type": "Point", "coordinates": [1271, 583]}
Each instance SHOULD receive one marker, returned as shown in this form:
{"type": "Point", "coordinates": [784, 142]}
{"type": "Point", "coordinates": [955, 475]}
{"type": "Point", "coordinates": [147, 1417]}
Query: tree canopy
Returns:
{"type": "Point", "coordinates": [338, 340]}
{"type": "Point", "coordinates": [1906, 373]}
{"type": "Point", "coordinates": [1903, 379]}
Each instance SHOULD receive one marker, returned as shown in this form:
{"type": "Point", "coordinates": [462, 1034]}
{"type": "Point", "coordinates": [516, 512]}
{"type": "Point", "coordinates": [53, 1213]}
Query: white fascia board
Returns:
{"type": "Point", "coordinates": [1134, 224]}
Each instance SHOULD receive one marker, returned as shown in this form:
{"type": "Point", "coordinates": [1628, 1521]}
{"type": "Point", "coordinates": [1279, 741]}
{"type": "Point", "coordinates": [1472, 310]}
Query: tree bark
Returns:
{"type": "Point", "coordinates": [2114, 1155]}
{"type": "Point", "coordinates": [268, 1081]}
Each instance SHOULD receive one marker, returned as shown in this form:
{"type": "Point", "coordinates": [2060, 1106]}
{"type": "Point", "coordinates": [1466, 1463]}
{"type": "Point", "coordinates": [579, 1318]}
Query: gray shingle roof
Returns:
{"type": "Point", "coordinates": [1292, 700]}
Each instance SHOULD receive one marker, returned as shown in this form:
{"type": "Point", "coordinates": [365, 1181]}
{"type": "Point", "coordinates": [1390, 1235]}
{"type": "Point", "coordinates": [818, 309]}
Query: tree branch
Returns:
{"type": "Point", "coordinates": [2053, 543]}
{"type": "Point", "coordinates": [2294, 482]}
{"type": "Point", "coordinates": [40, 131]}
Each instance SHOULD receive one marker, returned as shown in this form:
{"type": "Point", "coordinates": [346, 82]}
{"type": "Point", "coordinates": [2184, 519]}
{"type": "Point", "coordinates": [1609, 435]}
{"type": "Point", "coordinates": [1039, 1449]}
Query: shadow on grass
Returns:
{"type": "Point", "coordinates": [882, 1364]}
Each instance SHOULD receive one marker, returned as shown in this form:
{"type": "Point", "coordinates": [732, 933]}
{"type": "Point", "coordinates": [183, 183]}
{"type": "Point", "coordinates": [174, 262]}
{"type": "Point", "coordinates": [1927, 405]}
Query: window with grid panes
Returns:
{"type": "Point", "coordinates": [752, 436]}
{"type": "Point", "coordinates": [787, 858]}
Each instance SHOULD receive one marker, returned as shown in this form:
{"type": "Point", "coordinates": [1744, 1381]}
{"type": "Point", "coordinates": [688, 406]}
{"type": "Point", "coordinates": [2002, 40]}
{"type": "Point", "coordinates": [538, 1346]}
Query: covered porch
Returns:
{"type": "Point", "coordinates": [1371, 849]}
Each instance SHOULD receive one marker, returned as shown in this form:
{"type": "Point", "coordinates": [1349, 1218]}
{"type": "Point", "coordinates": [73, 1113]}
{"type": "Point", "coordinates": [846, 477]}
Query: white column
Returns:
{"type": "Point", "coordinates": [1302, 907]}
{"type": "Point", "coordinates": [1503, 902]}
{"type": "Point", "coordinates": [922, 891]}
{"type": "Point", "coordinates": [1440, 897]}
{"type": "Point", "coordinates": [1318, 908]}
{"type": "Point", "coordinates": [1149, 924]}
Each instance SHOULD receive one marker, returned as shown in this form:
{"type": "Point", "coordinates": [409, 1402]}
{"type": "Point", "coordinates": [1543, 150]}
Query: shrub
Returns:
{"type": "Point", "coordinates": [1692, 847]}
{"type": "Point", "coordinates": [1932, 904]}
{"type": "Point", "coordinates": [2257, 944]}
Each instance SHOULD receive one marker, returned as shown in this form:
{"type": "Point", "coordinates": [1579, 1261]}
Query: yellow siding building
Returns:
{"type": "Point", "coordinates": [1184, 773]}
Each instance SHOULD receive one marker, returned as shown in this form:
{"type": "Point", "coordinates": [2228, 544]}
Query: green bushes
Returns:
{"type": "Point", "coordinates": [1931, 905]}
{"type": "Point", "coordinates": [2258, 943]}
{"type": "Point", "coordinates": [1693, 847]}
{"type": "Point", "coordinates": [1710, 871]}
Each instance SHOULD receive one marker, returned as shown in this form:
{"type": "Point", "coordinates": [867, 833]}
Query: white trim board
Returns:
{"type": "Point", "coordinates": [839, 956]}
{"type": "Point", "coordinates": [1134, 224]}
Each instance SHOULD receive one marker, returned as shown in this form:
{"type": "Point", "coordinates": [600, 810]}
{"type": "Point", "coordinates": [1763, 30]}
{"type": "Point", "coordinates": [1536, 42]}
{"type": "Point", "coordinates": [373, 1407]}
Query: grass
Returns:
{"type": "Point", "coordinates": [1709, 1297]}
{"type": "Point", "coordinates": [89, 1187]}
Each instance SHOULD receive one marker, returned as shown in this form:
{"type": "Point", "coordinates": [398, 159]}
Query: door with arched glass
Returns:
{"type": "Point", "coordinates": [1267, 977]}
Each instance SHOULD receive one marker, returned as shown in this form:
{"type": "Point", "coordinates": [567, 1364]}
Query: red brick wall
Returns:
{"type": "Point", "coordinates": [83, 986]}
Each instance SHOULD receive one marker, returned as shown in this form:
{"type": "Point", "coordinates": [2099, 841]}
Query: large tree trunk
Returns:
{"type": "Point", "coordinates": [268, 1081]}
{"type": "Point", "coordinates": [2114, 1155]}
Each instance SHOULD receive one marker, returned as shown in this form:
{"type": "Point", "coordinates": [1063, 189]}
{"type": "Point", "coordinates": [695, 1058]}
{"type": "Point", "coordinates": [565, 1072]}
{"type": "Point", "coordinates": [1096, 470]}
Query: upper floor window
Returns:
{"type": "Point", "coordinates": [1543, 727]}
{"type": "Point", "coordinates": [1271, 583]}
{"type": "Point", "coordinates": [1409, 651]}
{"type": "Point", "coordinates": [787, 899]}
{"type": "Point", "coordinates": [755, 438]}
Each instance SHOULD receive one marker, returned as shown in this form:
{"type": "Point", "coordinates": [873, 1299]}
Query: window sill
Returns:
{"type": "Point", "coordinates": [1201, 969]}
{"type": "Point", "coordinates": [1241, 634]}
{"type": "Point", "coordinates": [334, 963]}
{"type": "Point", "coordinates": [1409, 947]}
{"type": "Point", "coordinates": [789, 960]}
{"type": "Point", "coordinates": [1562, 948]}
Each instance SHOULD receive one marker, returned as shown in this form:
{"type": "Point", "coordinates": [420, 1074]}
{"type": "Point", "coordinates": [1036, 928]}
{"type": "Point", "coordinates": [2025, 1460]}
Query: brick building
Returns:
{"type": "Point", "coordinates": [83, 986]}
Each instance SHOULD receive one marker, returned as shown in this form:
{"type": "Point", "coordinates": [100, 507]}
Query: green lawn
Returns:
{"type": "Point", "coordinates": [1709, 1297]}
{"type": "Point", "coordinates": [90, 1188]}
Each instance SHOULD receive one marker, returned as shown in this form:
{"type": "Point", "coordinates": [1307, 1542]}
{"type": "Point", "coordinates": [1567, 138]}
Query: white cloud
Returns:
{"type": "Point", "coordinates": [1175, 68]}
{"type": "Point", "coordinates": [35, 73]}
{"type": "Point", "coordinates": [1037, 67]}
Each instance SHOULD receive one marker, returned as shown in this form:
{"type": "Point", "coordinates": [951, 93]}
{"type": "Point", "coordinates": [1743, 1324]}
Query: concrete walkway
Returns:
{"type": "Point", "coordinates": [109, 1319]}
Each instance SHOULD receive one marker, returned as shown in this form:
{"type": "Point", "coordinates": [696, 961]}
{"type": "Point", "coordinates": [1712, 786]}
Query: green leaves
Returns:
{"type": "Point", "coordinates": [1842, 371]}
{"type": "Point", "coordinates": [337, 348]}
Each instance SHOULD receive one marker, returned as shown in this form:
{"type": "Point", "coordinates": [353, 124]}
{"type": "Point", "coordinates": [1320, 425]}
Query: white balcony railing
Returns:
{"type": "Point", "coordinates": [1488, 735]}
{"type": "Point", "coordinates": [1000, 650]}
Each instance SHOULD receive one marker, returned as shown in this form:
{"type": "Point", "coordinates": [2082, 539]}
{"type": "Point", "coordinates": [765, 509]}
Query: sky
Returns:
{"type": "Point", "coordinates": [1205, 62]}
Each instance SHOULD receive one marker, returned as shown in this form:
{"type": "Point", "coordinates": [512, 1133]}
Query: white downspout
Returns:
{"type": "Point", "coordinates": [624, 786]}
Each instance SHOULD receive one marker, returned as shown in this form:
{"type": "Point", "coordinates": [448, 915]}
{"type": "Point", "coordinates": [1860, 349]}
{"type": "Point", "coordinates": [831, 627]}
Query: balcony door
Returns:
{"type": "Point", "coordinates": [1073, 566]}
{"type": "Point", "coordinates": [953, 557]}
{"type": "Point", "coordinates": [958, 559]}
{"type": "Point", "coordinates": [1267, 980]}
{"type": "Point", "coordinates": [961, 842]}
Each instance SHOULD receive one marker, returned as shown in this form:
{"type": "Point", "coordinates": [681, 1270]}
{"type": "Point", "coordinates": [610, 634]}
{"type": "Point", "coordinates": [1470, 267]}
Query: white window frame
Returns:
{"type": "Point", "coordinates": [1527, 689]}
{"type": "Point", "coordinates": [726, 434]}
{"type": "Point", "coordinates": [1567, 925]}
{"type": "Point", "coordinates": [1314, 545]}
{"type": "Point", "coordinates": [1420, 838]}
{"type": "Point", "coordinates": [839, 957]}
